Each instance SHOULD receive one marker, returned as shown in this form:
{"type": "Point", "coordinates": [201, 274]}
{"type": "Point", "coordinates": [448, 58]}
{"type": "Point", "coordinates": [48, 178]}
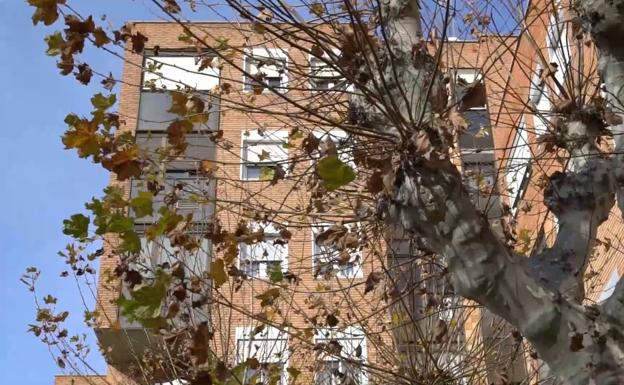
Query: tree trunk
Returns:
{"type": "Point", "coordinates": [580, 345]}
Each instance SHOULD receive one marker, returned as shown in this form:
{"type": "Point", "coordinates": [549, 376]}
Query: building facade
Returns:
{"type": "Point", "coordinates": [254, 101]}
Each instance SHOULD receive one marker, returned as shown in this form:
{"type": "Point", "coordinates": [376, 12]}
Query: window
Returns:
{"type": "Point", "coordinates": [480, 180]}
{"type": "Point", "coordinates": [194, 195]}
{"type": "Point", "coordinates": [559, 49]}
{"type": "Point", "coordinates": [262, 152]}
{"type": "Point", "coordinates": [267, 66]}
{"type": "Point", "coordinates": [154, 115]}
{"type": "Point", "coordinates": [157, 148]}
{"type": "Point", "coordinates": [478, 136]}
{"type": "Point", "coordinates": [538, 96]}
{"type": "Point", "coordinates": [269, 347]}
{"type": "Point", "coordinates": [341, 139]}
{"type": "Point", "coordinates": [173, 71]}
{"type": "Point", "coordinates": [324, 76]}
{"type": "Point", "coordinates": [258, 259]}
{"type": "Point", "coordinates": [328, 260]}
{"type": "Point", "coordinates": [159, 253]}
{"type": "Point", "coordinates": [341, 362]}
{"type": "Point", "coordinates": [518, 166]}
{"type": "Point", "coordinates": [178, 71]}
{"type": "Point", "coordinates": [449, 307]}
{"type": "Point", "coordinates": [465, 77]}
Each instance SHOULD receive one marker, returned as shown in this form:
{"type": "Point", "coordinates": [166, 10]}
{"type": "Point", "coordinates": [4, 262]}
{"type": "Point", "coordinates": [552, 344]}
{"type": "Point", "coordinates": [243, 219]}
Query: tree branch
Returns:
{"type": "Point", "coordinates": [429, 200]}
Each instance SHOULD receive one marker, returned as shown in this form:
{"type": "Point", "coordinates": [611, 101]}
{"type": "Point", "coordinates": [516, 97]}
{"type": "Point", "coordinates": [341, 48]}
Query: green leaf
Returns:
{"type": "Point", "coordinates": [120, 224]}
{"type": "Point", "coordinates": [76, 226]}
{"type": "Point", "coordinates": [55, 44]}
{"type": "Point", "coordinates": [267, 173]}
{"type": "Point", "coordinates": [101, 102]}
{"type": "Point", "coordinates": [168, 220]}
{"type": "Point", "coordinates": [144, 303]}
{"type": "Point", "coordinates": [217, 272]}
{"type": "Point", "coordinates": [334, 172]}
{"type": "Point", "coordinates": [142, 204]}
{"type": "Point", "coordinates": [275, 272]}
{"type": "Point", "coordinates": [130, 242]}
{"type": "Point", "coordinates": [71, 119]}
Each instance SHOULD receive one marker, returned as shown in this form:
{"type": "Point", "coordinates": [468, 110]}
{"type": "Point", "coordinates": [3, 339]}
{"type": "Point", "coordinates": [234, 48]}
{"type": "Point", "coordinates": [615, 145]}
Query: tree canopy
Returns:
{"type": "Point", "coordinates": [364, 148]}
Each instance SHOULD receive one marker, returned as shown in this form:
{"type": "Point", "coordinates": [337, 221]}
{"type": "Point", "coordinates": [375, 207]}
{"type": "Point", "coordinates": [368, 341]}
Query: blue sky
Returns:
{"type": "Point", "coordinates": [41, 182]}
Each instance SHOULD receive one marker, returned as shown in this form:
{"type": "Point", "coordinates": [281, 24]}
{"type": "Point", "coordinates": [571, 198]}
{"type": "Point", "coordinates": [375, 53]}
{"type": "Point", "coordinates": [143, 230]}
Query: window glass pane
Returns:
{"type": "Point", "coordinates": [479, 133]}
{"type": "Point", "coordinates": [267, 346]}
{"type": "Point", "coordinates": [465, 77]}
{"type": "Point", "coordinates": [257, 152]}
{"type": "Point", "coordinates": [257, 259]}
{"type": "Point", "coordinates": [252, 172]}
{"type": "Point", "coordinates": [159, 253]}
{"type": "Point", "coordinates": [195, 195]}
{"type": "Point", "coordinates": [337, 368]}
{"type": "Point", "coordinates": [327, 260]}
{"type": "Point", "coordinates": [480, 181]}
{"type": "Point", "coordinates": [154, 115]}
{"type": "Point", "coordinates": [199, 147]}
{"type": "Point", "coordinates": [324, 76]}
{"type": "Point", "coordinates": [270, 64]}
{"type": "Point", "coordinates": [261, 151]}
{"type": "Point", "coordinates": [172, 72]}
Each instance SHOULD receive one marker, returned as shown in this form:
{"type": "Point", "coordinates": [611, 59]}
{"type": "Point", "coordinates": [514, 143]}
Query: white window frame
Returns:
{"type": "Point", "coordinates": [278, 54]}
{"type": "Point", "coordinates": [539, 96]}
{"type": "Point", "coordinates": [179, 71]}
{"type": "Point", "coordinates": [339, 83]}
{"type": "Point", "coordinates": [449, 307]}
{"type": "Point", "coordinates": [470, 75]}
{"type": "Point", "coordinates": [356, 267]}
{"type": "Point", "coordinates": [558, 44]}
{"type": "Point", "coordinates": [354, 337]}
{"type": "Point", "coordinates": [518, 163]}
{"type": "Point", "coordinates": [257, 346]}
{"type": "Point", "coordinates": [269, 138]}
{"type": "Point", "coordinates": [248, 253]}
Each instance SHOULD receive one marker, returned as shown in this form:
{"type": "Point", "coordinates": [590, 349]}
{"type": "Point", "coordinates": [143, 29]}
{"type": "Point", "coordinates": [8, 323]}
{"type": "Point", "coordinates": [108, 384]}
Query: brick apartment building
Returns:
{"type": "Point", "coordinates": [497, 154]}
